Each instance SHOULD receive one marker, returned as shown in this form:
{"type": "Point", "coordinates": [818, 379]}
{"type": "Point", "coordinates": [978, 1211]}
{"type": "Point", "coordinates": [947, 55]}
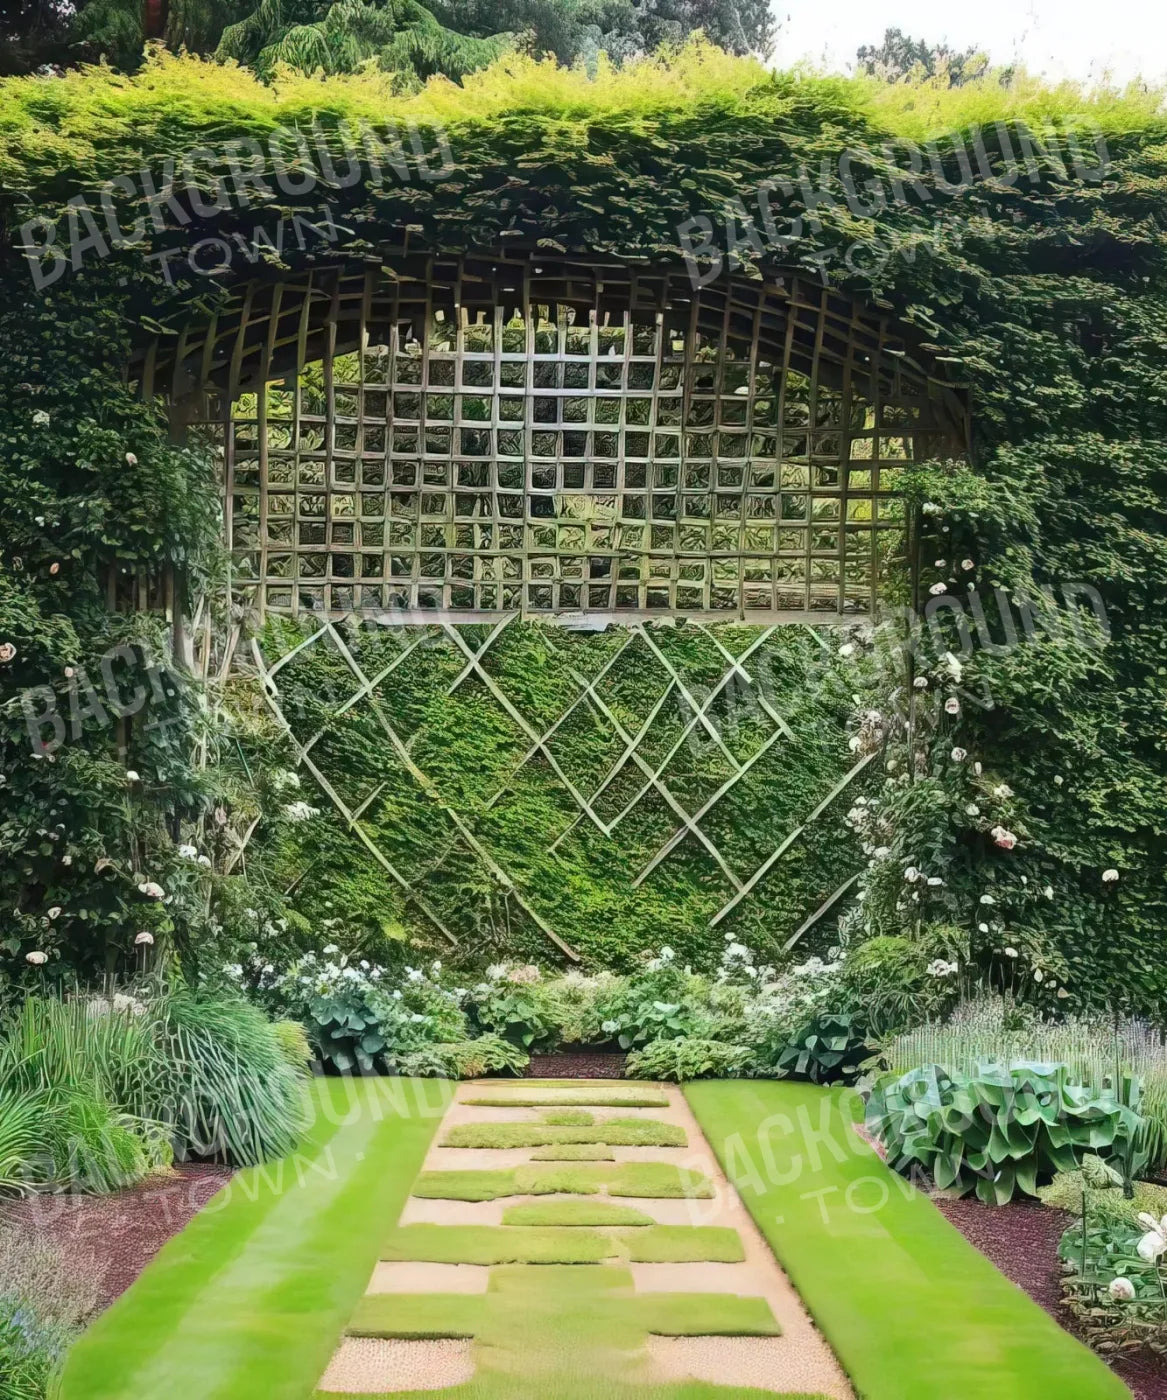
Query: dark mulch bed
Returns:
{"type": "Point", "coordinates": [119, 1234]}
{"type": "Point", "coordinates": [1022, 1241]}
{"type": "Point", "coordinates": [598, 1064]}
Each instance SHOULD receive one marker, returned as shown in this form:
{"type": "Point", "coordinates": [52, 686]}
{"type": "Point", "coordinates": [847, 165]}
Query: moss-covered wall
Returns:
{"type": "Point", "coordinates": [473, 752]}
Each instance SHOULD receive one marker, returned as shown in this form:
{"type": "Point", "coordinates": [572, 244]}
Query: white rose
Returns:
{"type": "Point", "coordinates": [37, 959]}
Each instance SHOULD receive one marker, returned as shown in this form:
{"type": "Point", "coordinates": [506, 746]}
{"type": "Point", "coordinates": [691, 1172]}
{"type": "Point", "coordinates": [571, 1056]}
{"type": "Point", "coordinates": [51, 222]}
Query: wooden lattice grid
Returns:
{"type": "Point", "coordinates": [484, 436]}
{"type": "Point", "coordinates": [493, 436]}
{"type": "Point", "coordinates": [651, 777]}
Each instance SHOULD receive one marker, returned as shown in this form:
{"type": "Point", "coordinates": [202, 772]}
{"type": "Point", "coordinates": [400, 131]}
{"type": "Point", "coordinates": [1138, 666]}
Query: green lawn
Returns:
{"type": "Point", "coordinates": [657, 1179]}
{"type": "Point", "coordinates": [249, 1301]}
{"type": "Point", "coordinates": [490, 1245]}
{"type": "Point", "coordinates": [912, 1310]}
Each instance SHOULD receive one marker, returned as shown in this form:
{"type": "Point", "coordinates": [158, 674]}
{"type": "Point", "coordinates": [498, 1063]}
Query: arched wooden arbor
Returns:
{"type": "Point", "coordinates": [437, 441]}
{"type": "Point", "coordinates": [556, 435]}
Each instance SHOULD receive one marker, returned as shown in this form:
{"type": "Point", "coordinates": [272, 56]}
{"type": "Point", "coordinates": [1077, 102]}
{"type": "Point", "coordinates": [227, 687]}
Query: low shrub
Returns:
{"type": "Point", "coordinates": [661, 1002]}
{"type": "Point", "coordinates": [1117, 1298]}
{"type": "Point", "coordinates": [356, 1021]}
{"type": "Point", "coordinates": [998, 1030]}
{"type": "Point", "coordinates": [465, 1059]}
{"type": "Point", "coordinates": [998, 1132]}
{"type": "Point", "coordinates": [891, 983]}
{"type": "Point", "coordinates": [518, 1006]}
{"type": "Point", "coordinates": [100, 1092]}
{"type": "Point", "coordinates": [74, 1079]}
{"type": "Point", "coordinates": [830, 1048]}
{"type": "Point", "coordinates": [688, 1058]}
{"type": "Point", "coordinates": [225, 1088]}
{"type": "Point", "coordinates": [1105, 1205]}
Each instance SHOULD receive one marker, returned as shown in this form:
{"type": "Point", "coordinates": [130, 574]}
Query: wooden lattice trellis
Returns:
{"type": "Point", "coordinates": [652, 776]}
{"type": "Point", "coordinates": [479, 437]}
{"type": "Point", "coordinates": [559, 436]}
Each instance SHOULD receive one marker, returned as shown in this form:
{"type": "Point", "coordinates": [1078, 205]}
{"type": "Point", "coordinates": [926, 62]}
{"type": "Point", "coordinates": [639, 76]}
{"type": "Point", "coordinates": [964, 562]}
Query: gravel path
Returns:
{"type": "Point", "coordinates": [362, 1366]}
{"type": "Point", "coordinates": [798, 1361]}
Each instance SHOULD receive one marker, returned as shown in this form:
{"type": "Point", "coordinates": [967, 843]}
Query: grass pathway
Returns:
{"type": "Point", "coordinates": [910, 1307]}
{"type": "Point", "coordinates": [248, 1300]}
{"type": "Point", "coordinates": [635, 1275]}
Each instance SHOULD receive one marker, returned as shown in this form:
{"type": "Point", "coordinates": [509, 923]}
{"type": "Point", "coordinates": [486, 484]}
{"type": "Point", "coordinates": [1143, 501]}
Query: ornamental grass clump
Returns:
{"type": "Point", "coordinates": [97, 1093]}
{"type": "Point", "coordinates": [1002, 1130]}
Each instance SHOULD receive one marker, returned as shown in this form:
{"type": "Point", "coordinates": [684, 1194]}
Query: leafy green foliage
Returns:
{"type": "Point", "coordinates": [899, 58]}
{"type": "Point", "coordinates": [75, 1080]}
{"type": "Point", "coordinates": [358, 1023]}
{"type": "Point", "coordinates": [1094, 1253]}
{"type": "Point", "coordinates": [688, 1058]}
{"type": "Point", "coordinates": [224, 1085]}
{"type": "Point", "coordinates": [1099, 1051]}
{"type": "Point", "coordinates": [292, 1039]}
{"type": "Point", "coordinates": [828, 1050]}
{"type": "Point", "coordinates": [1106, 1205]}
{"type": "Point", "coordinates": [97, 1095]}
{"type": "Point", "coordinates": [524, 1013]}
{"type": "Point", "coordinates": [402, 36]}
{"type": "Point", "coordinates": [465, 1059]}
{"type": "Point", "coordinates": [1059, 336]}
{"type": "Point", "coordinates": [998, 1132]}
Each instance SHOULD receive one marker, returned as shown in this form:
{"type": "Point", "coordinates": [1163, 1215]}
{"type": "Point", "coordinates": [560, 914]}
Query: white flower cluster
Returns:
{"type": "Point", "coordinates": [939, 968]}
{"type": "Point", "coordinates": [870, 732]}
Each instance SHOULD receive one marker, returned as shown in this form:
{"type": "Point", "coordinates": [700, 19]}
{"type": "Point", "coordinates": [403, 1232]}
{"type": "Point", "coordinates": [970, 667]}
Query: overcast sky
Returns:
{"type": "Point", "coordinates": [1058, 38]}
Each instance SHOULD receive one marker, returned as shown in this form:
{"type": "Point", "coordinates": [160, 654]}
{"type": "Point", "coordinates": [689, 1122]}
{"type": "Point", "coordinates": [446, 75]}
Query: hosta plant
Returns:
{"type": "Point", "coordinates": [1002, 1130]}
{"type": "Point", "coordinates": [828, 1049]}
{"type": "Point", "coordinates": [520, 1008]}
